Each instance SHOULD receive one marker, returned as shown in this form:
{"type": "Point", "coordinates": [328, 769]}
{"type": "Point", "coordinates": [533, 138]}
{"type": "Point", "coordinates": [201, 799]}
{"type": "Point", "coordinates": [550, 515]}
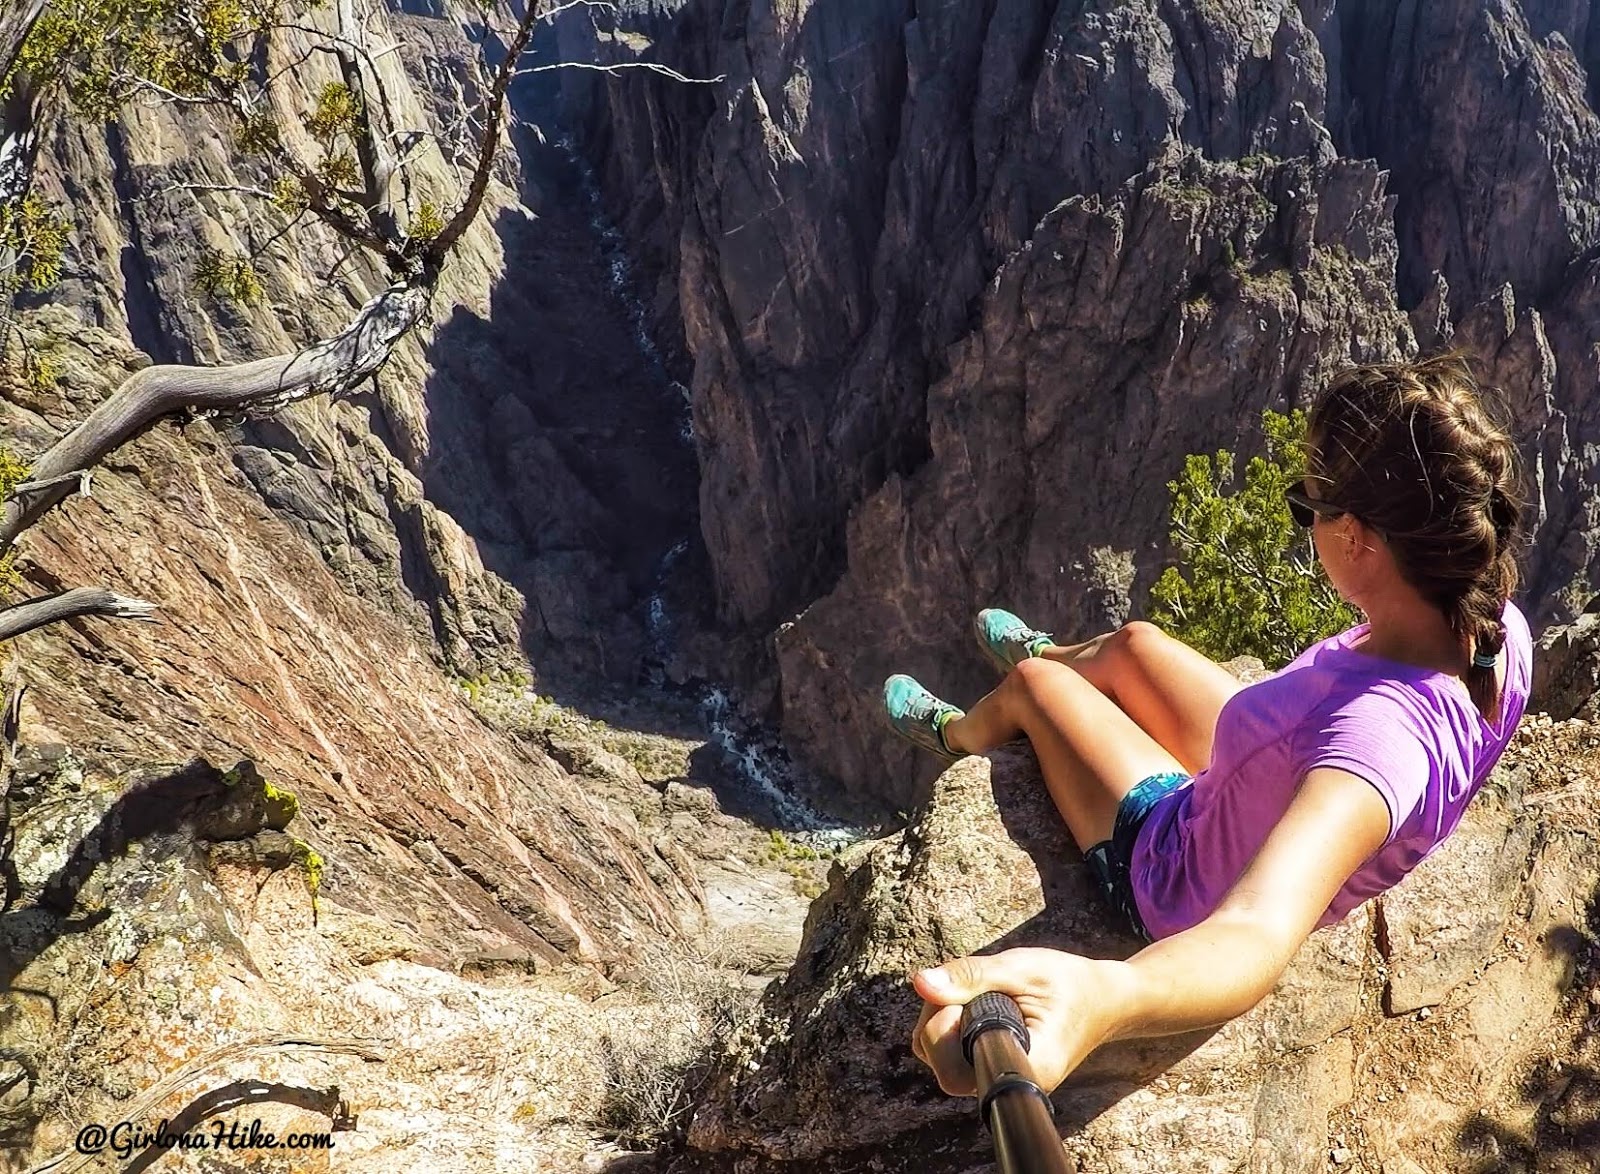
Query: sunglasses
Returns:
{"type": "Point", "coordinates": [1304, 508]}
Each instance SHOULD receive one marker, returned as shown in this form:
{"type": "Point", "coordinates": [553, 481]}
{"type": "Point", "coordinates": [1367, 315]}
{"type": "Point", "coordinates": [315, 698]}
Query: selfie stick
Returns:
{"type": "Point", "coordinates": [1017, 1111]}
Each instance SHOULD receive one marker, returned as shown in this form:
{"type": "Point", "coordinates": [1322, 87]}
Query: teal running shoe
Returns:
{"type": "Point", "coordinates": [1007, 639]}
{"type": "Point", "coordinates": [917, 715]}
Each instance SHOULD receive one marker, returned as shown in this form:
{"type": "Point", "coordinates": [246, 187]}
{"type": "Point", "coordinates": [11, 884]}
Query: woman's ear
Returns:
{"type": "Point", "coordinates": [1359, 535]}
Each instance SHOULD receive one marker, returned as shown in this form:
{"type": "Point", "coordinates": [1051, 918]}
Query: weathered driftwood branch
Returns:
{"type": "Point", "coordinates": [69, 1161]}
{"type": "Point", "coordinates": [372, 153]}
{"type": "Point", "coordinates": [333, 366]}
{"type": "Point", "coordinates": [66, 605]}
{"type": "Point", "coordinates": [619, 66]}
{"type": "Point", "coordinates": [326, 1102]}
{"type": "Point", "coordinates": [84, 478]}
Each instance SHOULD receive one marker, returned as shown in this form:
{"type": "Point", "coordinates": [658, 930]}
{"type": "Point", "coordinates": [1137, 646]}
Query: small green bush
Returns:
{"type": "Point", "coordinates": [1247, 581]}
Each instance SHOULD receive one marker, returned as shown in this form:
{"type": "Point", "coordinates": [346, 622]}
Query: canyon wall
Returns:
{"type": "Point", "coordinates": [501, 494]}
{"type": "Point", "coordinates": [962, 284]}
{"type": "Point", "coordinates": [510, 482]}
{"type": "Point", "coordinates": [329, 582]}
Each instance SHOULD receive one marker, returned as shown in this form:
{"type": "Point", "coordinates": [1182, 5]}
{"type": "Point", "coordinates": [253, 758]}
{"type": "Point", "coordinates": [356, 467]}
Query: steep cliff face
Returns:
{"type": "Point", "coordinates": [513, 478]}
{"type": "Point", "coordinates": [504, 484]}
{"type": "Point", "coordinates": [882, 203]}
{"type": "Point", "coordinates": [418, 808]}
{"type": "Point", "coordinates": [297, 718]}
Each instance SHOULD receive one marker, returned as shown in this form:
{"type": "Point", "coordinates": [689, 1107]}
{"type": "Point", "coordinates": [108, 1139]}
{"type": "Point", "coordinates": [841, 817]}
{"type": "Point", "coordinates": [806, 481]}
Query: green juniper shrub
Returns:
{"type": "Point", "coordinates": [1246, 582]}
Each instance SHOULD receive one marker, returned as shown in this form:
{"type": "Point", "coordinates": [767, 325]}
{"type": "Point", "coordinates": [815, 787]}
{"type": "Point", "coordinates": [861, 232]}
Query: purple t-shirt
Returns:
{"type": "Point", "coordinates": [1411, 732]}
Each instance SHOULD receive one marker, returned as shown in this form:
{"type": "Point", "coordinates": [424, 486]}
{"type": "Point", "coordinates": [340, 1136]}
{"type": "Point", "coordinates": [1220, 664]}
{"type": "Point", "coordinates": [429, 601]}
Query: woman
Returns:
{"type": "Point", "coordinates": [1227, 823]}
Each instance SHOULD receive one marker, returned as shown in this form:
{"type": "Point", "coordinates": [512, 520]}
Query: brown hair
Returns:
{"type": "Point", "coordinates": [1416, 451]}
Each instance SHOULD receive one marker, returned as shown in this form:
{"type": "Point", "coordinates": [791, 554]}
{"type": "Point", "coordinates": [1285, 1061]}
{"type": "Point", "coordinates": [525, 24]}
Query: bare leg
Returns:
{"type": "Point", "coordinates": [1173, 692]}
{"type": "Point", "coordinates": [1091, 752]}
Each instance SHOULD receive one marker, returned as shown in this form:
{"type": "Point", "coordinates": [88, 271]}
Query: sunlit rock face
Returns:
{"type": "Point", "coordinates": [219, 820]}
{"type": "Point", "coordinates": [318, 569]}
{"type": "Point", "coordinates": [961, 287]}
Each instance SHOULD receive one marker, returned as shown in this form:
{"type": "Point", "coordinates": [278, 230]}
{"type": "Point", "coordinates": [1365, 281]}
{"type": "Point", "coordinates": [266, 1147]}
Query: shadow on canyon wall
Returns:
{"type": "Point", "coordinates": [581, 479]}
{"type": "Point", "coordinates": [583, 491]}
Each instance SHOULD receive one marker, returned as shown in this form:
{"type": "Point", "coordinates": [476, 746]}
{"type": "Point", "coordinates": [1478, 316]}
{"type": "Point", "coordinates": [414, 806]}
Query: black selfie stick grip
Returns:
{"type": "Point", "coordinates": [1017, 1111]}
{"type": "Point", "coordinates": [988, 1011]}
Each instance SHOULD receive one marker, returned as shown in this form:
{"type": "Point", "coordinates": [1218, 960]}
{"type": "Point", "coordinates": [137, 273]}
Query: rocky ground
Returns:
{"type": "Point", "coordinates": [1450, 1026]}
{"type": "Point", "coordinates": [189, 930]}
{"type": "Point", "coordinates": [1447, 1040]}
{"type": "Point", "coordinates": [757, 879]}
{"type": "Point", "coordinates": [1542, 1110]}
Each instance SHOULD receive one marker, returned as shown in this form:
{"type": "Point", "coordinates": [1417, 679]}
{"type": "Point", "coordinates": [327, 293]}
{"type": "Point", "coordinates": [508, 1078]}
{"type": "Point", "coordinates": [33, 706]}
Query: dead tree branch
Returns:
{"type": "Point", "coordinates": [162, 96]}
{"type": "Point", "coordinates": [488, 142]}
{"type": "Point", "coordinates": [333, 366]}
{"type": "Point", "coordinates": [70, 1161]}
{"type": "Point", "coordinates": [619, 66]}
{"type": "Point", "coordinates": [195, 188]}
{"type": "Point", "coordinates": [83, 477]}
{"type": "Point", "coordinates": [67, 605]}
{"type": "Point", "coordinates": [551, 14]}
{"type": "Point", "coordinates": [372, 153]}
{"type": "Point", "coordinates": [235, 1095]}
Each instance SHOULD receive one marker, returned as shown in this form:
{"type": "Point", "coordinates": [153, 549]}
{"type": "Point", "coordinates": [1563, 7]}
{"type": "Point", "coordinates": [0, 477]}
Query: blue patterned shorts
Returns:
{"type": "Point", "coordinates": [1111, 860]}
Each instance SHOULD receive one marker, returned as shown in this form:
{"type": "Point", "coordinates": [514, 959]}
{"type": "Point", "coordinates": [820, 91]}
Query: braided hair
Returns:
{"type": "Point", "coordinates": [1418, 452]}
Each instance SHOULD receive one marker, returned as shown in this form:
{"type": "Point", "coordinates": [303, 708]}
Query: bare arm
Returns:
{"type": "Point", "coordinates": [1231, 961]}
{"type": "Point", "coordinates": [1204, 976]}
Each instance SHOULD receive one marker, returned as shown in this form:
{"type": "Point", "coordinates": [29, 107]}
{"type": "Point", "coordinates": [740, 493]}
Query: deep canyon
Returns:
{"type": "Point", "coordinates": [745, 391]}
{"type": "Point", "coordinates": [961, 284]}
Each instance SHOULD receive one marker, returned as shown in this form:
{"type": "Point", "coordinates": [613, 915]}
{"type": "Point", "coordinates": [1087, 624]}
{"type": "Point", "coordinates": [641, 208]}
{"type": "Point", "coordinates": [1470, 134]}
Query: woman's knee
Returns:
{"type": "Point", "coordinates": [1140, 640]}
{"type": "Point", "coordinates": [1037, 677]}
{"type": "Point", "coordinates": [1142, 632]}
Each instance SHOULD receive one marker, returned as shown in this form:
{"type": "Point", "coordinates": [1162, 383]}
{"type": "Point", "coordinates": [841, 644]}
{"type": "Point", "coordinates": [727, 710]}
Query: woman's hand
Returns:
{"type": "Point", "coordinates": [1201, 977]}
{"type": "Point", "coordinates": [1069, 1003]}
